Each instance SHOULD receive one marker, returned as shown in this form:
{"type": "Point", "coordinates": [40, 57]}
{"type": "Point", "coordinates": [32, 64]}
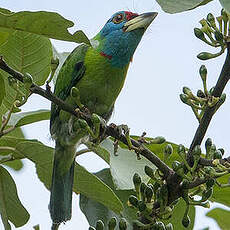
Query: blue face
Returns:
{"type": "Point", "coordinates": [117, 43]}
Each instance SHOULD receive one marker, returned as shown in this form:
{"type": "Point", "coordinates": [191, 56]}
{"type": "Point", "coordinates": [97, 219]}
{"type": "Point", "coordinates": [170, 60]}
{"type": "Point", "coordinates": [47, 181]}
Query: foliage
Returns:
{"type": "Point", "coordinates": [130, 188]}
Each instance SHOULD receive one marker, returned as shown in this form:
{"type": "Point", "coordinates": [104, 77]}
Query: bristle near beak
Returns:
{"type": "Point", "coordinates": [141, 21]}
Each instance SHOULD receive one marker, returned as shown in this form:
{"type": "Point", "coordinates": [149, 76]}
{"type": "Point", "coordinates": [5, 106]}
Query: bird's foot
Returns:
{"type": "Point", "coordinates": [75, 94]}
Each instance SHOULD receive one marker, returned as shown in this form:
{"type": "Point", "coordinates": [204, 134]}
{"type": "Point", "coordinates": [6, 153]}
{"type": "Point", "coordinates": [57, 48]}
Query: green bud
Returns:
{"type": "Point", "coordinates": [169, 226]}
{"type": "Point", "coordinates": [112, 223]}
{"type": "Point", "coordinates": [176, 165]}
{"type": "Point", "coordinates": [133, 201]}
{"type": "Point", "coordinates": [168, 151]}
{"type": "Point", "coordinates": [137, 182]}
{"type": "Point", "coordinates": [148, 194]}
{"type": "Point", "coordinates": [219, 36]}
{"type": "Point", "coordinates": [187, 91]}
{"type": "Point", "coordinates": [222, 151]}
{"type": "Point", "coordinates": [184, 98]}
{"type": "Point", "coordinates": [224, 15]}
{"type": "Point", "coordinates": [217, 154]}
{"type": "Point", "coordinates": [82, 123]}
{"type": "Point", "coordinates": [142, 190]}
{"type": "Point", "coordinates": [122, 224]}
{"type": "Point", "coordinates": [219, 19]}
{"type": "Point", "coordinates": [141, 206]}
{"type": "Point", "coordinates": [199, 33]}
{"type": "Point", "coordinates": [210, 182]}
{"type": "Point", "coordinates": [100, 225]}
{"type": "Point", "coordinates": [205, 56]}
{"type": "Point", "coordinates": [200, 94]}
{"type": "Point", "coordinates": [27, 80]}
{"type": "Point", "coordinates": [203, 72]}
{"type": "Point", "coordinates": [160, 226]}
{"type": "Point", "coordinates": [156, 186]}
{"type": "Point", "coordinates": [158, 140]}
{"type": "Point", "coordinates": [211, 90]}
{"type": "Point", "coordinates": [211, 20]}
{"type": "Point", "coordinates": [150, 172]}
{"type": "Point", "coordinates": [186, 221]}
{"type": "Point", "coordinates": [208, 144]}
{"type": "Point", "coordinates": [185, 184]}
{"type": "Point", "coordinates": [206, 194]}
{"type": "Point", "coordinates": [95, 119]}
{"type": "Point", "coordinates": [92, 228]}
{"type": "Point", "coordinates": [75, 92]}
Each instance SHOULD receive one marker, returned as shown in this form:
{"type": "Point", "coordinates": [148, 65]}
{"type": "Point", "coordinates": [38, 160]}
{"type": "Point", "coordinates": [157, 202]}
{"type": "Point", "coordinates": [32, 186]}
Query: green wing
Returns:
{"type": "Point", "coordinates": [70, 74]}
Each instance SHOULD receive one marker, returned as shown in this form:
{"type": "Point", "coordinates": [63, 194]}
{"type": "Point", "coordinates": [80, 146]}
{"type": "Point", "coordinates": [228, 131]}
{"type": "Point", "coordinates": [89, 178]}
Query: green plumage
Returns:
{"type": "Point", "coordinates": [98, 72]}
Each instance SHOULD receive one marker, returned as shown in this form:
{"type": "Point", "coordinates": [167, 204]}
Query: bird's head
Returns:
{"type": "Point", "coordinates": [121, 35]}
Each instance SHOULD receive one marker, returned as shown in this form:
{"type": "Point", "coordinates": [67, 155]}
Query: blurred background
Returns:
{"type": "Point", "coordinates": [164, 62]}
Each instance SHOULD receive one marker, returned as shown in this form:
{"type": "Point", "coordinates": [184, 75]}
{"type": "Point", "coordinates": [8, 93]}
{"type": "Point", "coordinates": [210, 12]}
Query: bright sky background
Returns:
{"type": "Point", "coordinates": [164, 62]}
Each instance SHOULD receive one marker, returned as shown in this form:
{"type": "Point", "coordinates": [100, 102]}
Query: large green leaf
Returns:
{"type": "Point", "coordinates": [10, 204]}
{"type": "Point", "coordinates": [94, 211]}
{"type": "Point", "coordinates": [221, 216]}
{"type": "Point", "coordinates": [221, 195]}
{"type": "Point", "coordinates": [49, 24]}
{"type": "Point", "coordinates": [84, 181]}
{"type": "Point", "coordinates": [20, 119]}
{"type": "Point", "coordinates": [125, 164]}
{"type": "Point", "coordinates": [176, 6]}
{"type": "Point", "coordinates": [225, 4]}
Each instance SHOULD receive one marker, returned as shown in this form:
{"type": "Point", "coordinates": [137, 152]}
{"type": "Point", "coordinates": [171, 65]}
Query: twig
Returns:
{"type": "Point", "coordinates": [209, 112]}
{"type": "Point", "coordinates": [110, 131]}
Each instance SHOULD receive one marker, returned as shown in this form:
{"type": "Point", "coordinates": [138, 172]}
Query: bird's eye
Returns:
{"type": "Point", "coordinates": [118, 18]}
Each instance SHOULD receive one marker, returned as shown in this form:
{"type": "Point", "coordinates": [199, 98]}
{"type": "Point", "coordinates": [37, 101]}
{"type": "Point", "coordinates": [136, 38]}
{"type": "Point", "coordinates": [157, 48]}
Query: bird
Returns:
{"type": "Point", "coordinates": [98, 72]}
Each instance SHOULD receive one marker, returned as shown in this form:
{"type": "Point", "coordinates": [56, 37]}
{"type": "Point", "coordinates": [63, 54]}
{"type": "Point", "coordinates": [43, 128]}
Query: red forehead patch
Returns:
{"type": "Point", "coordinates": [130, 15]}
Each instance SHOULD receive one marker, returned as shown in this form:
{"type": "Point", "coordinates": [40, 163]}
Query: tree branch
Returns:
{"type": "Point", "coordinates": [109, 130]}
{"type": "Point", "coordinates": [208, 114]}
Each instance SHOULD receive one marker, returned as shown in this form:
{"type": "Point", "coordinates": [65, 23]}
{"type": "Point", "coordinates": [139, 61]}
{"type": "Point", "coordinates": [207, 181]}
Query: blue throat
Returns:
{"type": "Point", "coordinates": [119, 45]}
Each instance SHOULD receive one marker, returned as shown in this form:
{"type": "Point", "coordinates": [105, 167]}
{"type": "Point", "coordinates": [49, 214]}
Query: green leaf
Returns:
{"type": "Point", "coordinates": [176, 6]}
{"type": "Point", "coordinates": [28, 53]}
{"type": "Point", "coordinates": [100, 151]}
{"type": "Point", "coordinates": [20, 119]}
{"type": "Point", "coordinates": [49, 24]}
{"type": "Point", "coordinates": [89, 185]}
{"type": "Point", "coordinates": [221, 216]}
{"type": "Point", "coordinates": [225, 4]}
{"type": "Point", "coordinates": [94, 211]}
{"type": "Point", "coordinates": [2, 89]}
{"type": "Point", "coordinates": [10, 204]}
{"type": "Point", "coordinates": [126, 164]}
{"type": "Point", "coordinates": [221, 195]}
{"type": "Point", "coordinates": [42, 156]}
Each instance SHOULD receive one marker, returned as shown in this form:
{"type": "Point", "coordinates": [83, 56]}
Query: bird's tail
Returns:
{"type": "Point", "coordinates": [62, 183]}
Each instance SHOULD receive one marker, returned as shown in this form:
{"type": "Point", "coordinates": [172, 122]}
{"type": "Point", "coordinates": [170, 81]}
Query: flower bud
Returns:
{"type": "Point", "coordinates": [208, 144]}
{"type": "Point", "coordinates": [137, 182]}
{"type": "Point", "coordinates": [112, 223]}
{"type": "Point", "coordinates": [168, 151]}
{"type": "Point", "coordinates": [148, 194]}
{"type": "Point", "coordinates": [100, 225]}
{"type": "Point", "coordinates": [205, 56]}
{"type": "Point", "coordinates": [199, 33]}
{"type": "Point", "coordinates": [186, 221]}
{"type": "Point", "coordinates": [218, 36]}
{"type": "Point", "coordinates": [158, 140]}
{"type": "Point", "coordinates": [200, 94]}
{"type": "Point", "coordinates": [150, 172]}
{"type": "Point", "coordinates": [211, 20]}
{"type": "Point", "coordinates": [203, 72]}
{"type": "Point", "coordinates": [122, 224]}
{"type": "Point", "coordinates": [184, 98]}
{"type": "Point", "coordinates": [217, 154]}
{"type": "Point", "coordinates": [133, 201]}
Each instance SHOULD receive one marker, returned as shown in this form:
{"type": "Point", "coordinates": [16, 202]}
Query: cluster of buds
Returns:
{"type": "Point", "coordinates": [203, 98]}
{"type": "Point", "coordinates": [213, 34]}
{"type": "Point", "coordinates": [122, 225]}
{"type": "Point", "coordinates": [149, 217]}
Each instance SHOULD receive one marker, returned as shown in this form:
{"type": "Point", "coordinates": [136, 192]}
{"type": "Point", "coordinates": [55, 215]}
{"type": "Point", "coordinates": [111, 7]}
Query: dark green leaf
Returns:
{"type": "Point", "coordinates": [49, 24]}
{"type": "Point", "coordinates": [176, 6]}
{"type": "Point", "coordinates": [10, 203]}
{"type": "Point", "coordinates": [221, 216]}
{"type": "Point", "coordinates": [20, 119]}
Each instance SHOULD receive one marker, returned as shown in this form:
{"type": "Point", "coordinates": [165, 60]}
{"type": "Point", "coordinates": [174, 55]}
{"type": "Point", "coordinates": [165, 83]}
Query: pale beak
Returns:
{"type": "Point", "coordinates": [141, 21]}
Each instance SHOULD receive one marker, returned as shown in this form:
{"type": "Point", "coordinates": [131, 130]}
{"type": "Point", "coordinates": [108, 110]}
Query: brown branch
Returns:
{"type": "Point", "coordinates": [109, 130]}
{"type": "Point", "coordinates": [208, 114]}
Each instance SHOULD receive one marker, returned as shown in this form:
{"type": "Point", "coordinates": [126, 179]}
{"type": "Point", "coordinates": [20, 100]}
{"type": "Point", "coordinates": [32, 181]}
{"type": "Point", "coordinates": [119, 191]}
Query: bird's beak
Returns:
{"type": "Point", "coordinates": [141, 21]}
